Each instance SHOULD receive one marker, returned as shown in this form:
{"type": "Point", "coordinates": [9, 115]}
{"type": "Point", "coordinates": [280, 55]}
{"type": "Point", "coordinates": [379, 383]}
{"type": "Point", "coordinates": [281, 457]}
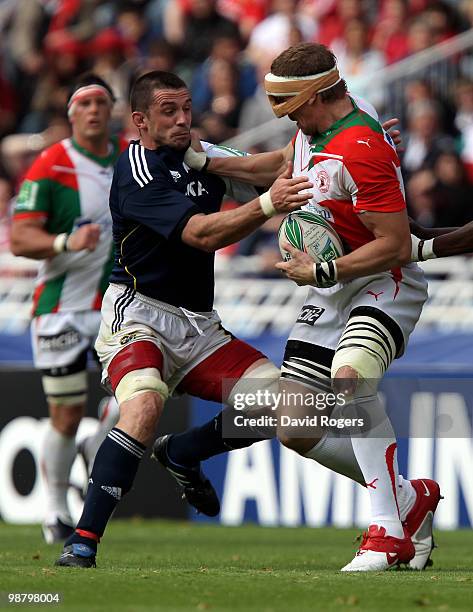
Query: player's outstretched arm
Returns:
{"type": "Point", "coordinates": [30, 239]}
{"type": "Point", "coordinates": [441, 242]}
{"type": "Point", "coordinates": [214, 231]}
{"type": "Point", "coordinates": [261, 169]}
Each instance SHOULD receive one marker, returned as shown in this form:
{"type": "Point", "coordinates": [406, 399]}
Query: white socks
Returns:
{"type": "Point", "coordinates": [57, 456]}
{"type": "Point", "coordinates": [376, 454]}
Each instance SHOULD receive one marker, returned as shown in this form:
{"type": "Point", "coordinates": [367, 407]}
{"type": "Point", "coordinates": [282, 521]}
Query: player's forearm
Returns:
{"type": "Point", "coordinates": [220, 229]}
{"type": "Point", "coordinates": [452, 241]}
{"type": "Point", "coordinates": [261, 169]}
{"type": "Point", "coordinates": [379, 255]}
{"type": "Point", "coordinates": [425, 233]}
{"type": "Point", "coordinates": [456, 242]}
{"type": "Point", "coordinates": [32, 242]}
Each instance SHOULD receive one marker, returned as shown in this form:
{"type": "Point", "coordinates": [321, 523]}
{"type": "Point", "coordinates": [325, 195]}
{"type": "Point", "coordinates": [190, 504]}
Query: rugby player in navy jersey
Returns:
{"type": "Point", "coordinates": [159, 332]}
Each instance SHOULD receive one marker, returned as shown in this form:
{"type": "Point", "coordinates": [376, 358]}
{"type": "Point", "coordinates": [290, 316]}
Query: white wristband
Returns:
{"type": "Point", "coordinates": [197, 160]}
{"type": "Point", "coordinates": [427, 249]}
{"type": "Point", "coordinates": [60, 243]}
{"type": "Point", "coordinates": [422, 249]}
{"type": "Point", "coordinates": [266, 204]}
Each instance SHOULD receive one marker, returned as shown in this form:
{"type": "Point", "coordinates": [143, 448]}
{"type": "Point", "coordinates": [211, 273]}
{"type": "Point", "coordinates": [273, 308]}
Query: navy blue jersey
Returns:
{"type": "Point", "coordinates": [152, 197]}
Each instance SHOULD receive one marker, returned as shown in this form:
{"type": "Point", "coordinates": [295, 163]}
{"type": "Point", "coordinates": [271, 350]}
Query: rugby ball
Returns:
{"type": "Point", "coordinates": [311, 233]}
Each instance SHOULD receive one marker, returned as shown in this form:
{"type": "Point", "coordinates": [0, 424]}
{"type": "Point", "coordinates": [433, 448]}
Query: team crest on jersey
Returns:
{"type": "Point", "coordinates": [322, 180]}
{"type": "Point", "coordinates": [175, 175]}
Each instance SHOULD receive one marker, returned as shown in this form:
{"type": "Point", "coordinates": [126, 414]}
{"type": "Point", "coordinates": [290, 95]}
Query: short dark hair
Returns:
{"type": "Point", "coordinates": [143, 88]}
{"type": "Point", "coordinates": [309, 58]}
{"type": "Point", "coordinates": [89, 78]}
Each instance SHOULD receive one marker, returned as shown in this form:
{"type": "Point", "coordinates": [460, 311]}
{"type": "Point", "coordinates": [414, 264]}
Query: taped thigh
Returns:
{"type": "Point", "coordinates": [369, 343]}
{"type": "Point", "coordinates": [66, 385]}
{"type": "Point", "coordinates": [136, 382]}
{"type": "Point", "coordinates": [137, 369]}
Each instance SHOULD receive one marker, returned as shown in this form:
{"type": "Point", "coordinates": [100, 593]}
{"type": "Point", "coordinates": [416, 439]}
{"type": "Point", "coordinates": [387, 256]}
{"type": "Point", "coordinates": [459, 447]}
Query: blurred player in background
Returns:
{"type": "Point", "coordinates": [159, 332]}
{"type": "Point", "coordinates": [364, 323]}
{"type": "Point", "coordinates": [62, 217]}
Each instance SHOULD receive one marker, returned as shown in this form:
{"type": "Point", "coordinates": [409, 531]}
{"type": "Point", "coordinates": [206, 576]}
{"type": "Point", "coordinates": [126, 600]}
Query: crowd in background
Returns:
{"type": "Point", "coordinates": [222, 49]}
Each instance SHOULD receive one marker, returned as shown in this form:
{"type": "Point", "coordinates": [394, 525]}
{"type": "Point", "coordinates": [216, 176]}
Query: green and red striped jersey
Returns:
{"type": "Point", "coordinates": [65, 187]}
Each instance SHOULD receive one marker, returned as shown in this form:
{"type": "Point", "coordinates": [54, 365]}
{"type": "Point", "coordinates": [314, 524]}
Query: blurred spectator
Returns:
{"type": "Point", "coordinates": [332, 27]}
{"type": "Point", "coordinates": [442, 19]}
{"type": "Point", "coordinates": [193, 25]}
{"type": "Point", "coordinates": [134, 28]}
{"type": "Point", "coordinates": [246, 13]}
{"type": "Point", "coordinates": [441, 196]}
{"type": "Point", "coordinates": [285, 26]}
{"type": "Point", "coordinates": [257, 111]}
{"type": "Point", "coordinates": [420, 35]}
{"type": "Point", "coordinates": [425, 139]}
{"type": "Point", "coordinates": [418, 90]}
{"type": "Point", "coordinates": [463, 96]}
{"type": "Point", "coordinates": [110, 52]}
{"type": "Point", "coordinates": [358, 63]}
{"type": "Point", "coordinates": [226, 49]}
{"type": "Point", "coordinates": [390, 35]}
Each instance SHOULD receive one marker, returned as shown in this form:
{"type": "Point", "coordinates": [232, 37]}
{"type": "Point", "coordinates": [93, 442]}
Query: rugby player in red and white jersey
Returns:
{"type": "Point", "coordinates": [62, 218]}
{"type": "Point", "coordinates": [367, 301]}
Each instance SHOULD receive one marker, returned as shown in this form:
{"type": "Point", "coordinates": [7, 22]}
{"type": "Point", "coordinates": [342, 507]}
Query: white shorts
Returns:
{"type": "Point", "coordinates": [191, 350]}
{"type": "Point", "coordinates": [395, 302]}
{"type": "Point", "coordinates": [62, 339]}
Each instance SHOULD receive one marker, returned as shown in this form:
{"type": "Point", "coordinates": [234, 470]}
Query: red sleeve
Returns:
{"type": "Point", "coordinates": [372, 176]}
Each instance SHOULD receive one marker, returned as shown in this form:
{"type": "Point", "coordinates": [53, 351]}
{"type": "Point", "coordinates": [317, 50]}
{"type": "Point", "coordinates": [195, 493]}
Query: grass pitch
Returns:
{"type": "Point", "coordinates": [167, 566]}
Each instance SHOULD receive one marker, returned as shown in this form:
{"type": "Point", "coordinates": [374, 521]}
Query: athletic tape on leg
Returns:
{"type": "Point", "coordinates": [67, 390]}
{"type": "Point", "coordinates": [141, 381]}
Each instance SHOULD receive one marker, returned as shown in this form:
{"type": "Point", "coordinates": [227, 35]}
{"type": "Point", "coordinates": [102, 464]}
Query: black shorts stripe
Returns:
{"type": "Point", "coordinates": [391, 325]}
{"type": "Point", "coordinates": [116, 309]}
{"type": "Point", "coordinates": [366, 348]}
{"type": "Point", "coordinates": [79, 365]}
{"type": "Point", "coordinates": [366, 326]}
{"type": "Point", "coordinates": [131, 297]}
{"type": "Point", "coordinates": [119, 308]}
{"type": "Point", "coordinates": [305, 350]}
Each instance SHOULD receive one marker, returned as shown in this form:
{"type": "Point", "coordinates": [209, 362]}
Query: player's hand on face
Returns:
{"type": "Point", "coordinates": [195, 141]}
{"type": "Point", "coordinates": [289, 193]}
{"type": "Point", "coordinates": [85, 237]}
{"type": "Point", "coordinates": [395, 134]}
{"type": "Point", "coordinates": [300, 268]}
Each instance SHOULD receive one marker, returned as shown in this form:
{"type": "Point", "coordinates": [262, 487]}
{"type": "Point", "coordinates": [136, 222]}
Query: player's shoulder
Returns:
{"type": "Point", "coordinates": [365, 139]}
{"type": "Point", "coordinates": [138, 166]}
{"type": "Point", "coordinates": [44, 165]}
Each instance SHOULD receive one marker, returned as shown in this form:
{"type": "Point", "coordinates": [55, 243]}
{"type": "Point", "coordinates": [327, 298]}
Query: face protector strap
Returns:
{"type": "Point", "coordinates": [297, 89]}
